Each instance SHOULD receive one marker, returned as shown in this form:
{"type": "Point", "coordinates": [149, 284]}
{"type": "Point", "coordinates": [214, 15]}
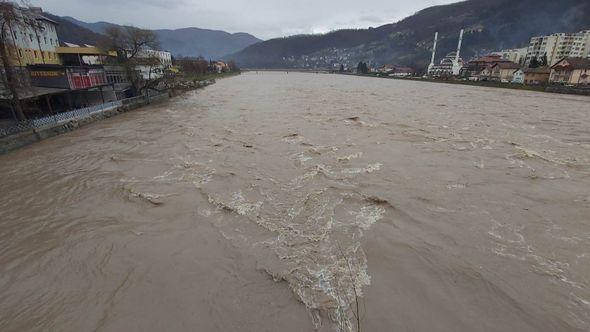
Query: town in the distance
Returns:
{"type": "Point", "coordinates": [45, 76]}
{"type": "Point", "coordinates": [557, 62]}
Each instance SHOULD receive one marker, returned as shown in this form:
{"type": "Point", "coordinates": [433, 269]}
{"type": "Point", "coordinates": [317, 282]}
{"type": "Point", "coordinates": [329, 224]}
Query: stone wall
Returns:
{"type": "Point", "coordinates": [572, 90]}
{"type": "Point", "coordinates": [25, 138]}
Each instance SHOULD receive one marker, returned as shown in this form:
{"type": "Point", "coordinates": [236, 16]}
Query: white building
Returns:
{"type": "Point", "coordinates": [518, 77]}
{"type": "Point", "coordinates": [450, 65]}
{"type": "Point", "coordinates": [34, 42]}
{"type": "Point", "coordinates": [558, 46]}
{"type": "Point", "coordinates": [156, 63]}
{"type": "Point", "coordinates": [164, 57]}
{"type": "Point", "coordinates": [516, 55]}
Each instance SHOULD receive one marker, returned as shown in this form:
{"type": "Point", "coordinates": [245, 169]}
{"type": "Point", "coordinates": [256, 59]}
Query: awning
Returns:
{"type": "Point", "coordinates": [38, 92]}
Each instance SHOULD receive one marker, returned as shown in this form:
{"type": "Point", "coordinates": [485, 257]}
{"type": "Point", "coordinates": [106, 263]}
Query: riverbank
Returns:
{"type": "Point", "coordinates": [57, 125]}
{"type": "Point", "coordinates": [487, 84]}
{"type": "Point", "coordinates": [210, 76]}
{"type": "Point", "coordinates": [490, 84]}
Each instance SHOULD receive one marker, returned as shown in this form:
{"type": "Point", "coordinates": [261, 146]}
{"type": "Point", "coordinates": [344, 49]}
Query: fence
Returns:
{"type": "Point", "coordinates": [57, 118]}
{"type": "Point", "coordinates": [143, 98]}
{"type": "Point", "coordinates": [71, 115]}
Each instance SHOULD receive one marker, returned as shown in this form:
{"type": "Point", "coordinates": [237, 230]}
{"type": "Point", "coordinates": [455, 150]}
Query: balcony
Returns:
{"type": "Point", "coordinates": [84, 78]}
{"type": "Point", "coordinates": [71, 78]}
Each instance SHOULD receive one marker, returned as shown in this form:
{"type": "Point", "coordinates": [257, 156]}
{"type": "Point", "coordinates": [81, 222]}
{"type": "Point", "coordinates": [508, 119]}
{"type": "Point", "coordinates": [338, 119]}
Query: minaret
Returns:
{"type": "Point", "coordinates": [459, 46]}
{"type": "Point", "coordinates": [456, 64]}
{"type": "Point", "coordinates": [433, 52]}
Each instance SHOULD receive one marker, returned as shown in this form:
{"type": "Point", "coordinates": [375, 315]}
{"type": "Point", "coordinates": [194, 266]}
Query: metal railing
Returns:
{"type": "Point", "coordinates": [134, 100]}
{"type": "Point", "coordinates": [143, 98]}
{"type": "Point", "coordinates": [80, 113]}
{"type": "Point", "coordinates": [57, 118]}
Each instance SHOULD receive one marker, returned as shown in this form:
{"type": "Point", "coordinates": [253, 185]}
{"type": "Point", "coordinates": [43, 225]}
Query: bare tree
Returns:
{"type": "Point", "coordinates": [193, 67]}
{"type": "Point", "coordinates": [233, 66]}
{"type": "Point", "coordinates": [155, 74]}
{"type": "Point", "coordinates": [131, 45]}
{"type": "Point", "coordinates": [11, 18]}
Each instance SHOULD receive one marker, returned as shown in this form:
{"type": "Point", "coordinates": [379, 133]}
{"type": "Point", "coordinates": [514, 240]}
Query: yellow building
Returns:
{"type": "Point", "coordinates": [571, 71]}
{"type": "Point", "coordinates": [504, 71]}
{"type": "Point", "coordinates": [76, 55]}
{"type": "Point", "coordinates": [536, 76]}
{"type": "Point", "coordinates": [33, 43]}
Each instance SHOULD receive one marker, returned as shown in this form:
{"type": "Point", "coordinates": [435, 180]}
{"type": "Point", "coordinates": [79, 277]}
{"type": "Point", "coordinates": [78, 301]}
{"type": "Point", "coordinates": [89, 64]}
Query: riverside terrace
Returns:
{"type": "Point", "coordinates": [55, 88]}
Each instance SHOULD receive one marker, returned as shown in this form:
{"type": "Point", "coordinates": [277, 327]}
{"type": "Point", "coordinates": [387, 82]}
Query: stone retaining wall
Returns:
{"type": "Point", "coordinates": [25, 138]}
{"type": "Point", "coordinates": [572, 90]}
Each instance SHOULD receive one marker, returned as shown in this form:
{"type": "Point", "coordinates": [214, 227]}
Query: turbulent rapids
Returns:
{"type": "Point", "coordinates": [306, 202]}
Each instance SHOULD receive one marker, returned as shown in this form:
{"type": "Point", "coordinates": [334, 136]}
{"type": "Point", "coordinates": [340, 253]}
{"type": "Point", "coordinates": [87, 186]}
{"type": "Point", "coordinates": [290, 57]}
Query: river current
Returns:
{"type": "Point", "coordinates": [294, 202]}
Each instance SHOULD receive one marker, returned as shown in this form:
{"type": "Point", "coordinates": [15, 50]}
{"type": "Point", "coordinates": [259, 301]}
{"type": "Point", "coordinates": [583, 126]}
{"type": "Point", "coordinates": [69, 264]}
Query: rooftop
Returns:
{"type": "Point", "coordinates": [574, 63]}
{"type": "Point", "coordinates": [507, 65]}
{"type": "Point", "coordinates": [539, 70]}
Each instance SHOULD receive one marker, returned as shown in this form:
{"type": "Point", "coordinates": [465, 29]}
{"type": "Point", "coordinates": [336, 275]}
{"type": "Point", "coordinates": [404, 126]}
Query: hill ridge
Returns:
{"type": "Point", "coordinates": [189, 41]}
{"type": "Point", "coordinates": [489, 24]}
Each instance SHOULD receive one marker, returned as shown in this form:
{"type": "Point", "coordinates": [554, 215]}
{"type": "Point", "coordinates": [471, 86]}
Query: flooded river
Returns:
{"type": "Point", "coordinates": [294, 202]}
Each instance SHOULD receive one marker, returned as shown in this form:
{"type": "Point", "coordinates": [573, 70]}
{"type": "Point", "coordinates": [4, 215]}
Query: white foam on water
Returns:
{"type": "Point", "coordinates": [368, 215]}
{"type": "Point", "coordinates": [369, 169]}
{"type": "Point", "coordinates": [351, 156]}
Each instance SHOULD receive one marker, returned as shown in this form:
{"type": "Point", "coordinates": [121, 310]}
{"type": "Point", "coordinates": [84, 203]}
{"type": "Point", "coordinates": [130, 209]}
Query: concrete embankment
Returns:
{"type": "Point", "coordinates": [571, 90]}
{"type": "Point", "coordinates": [24, 138]}
{"type": "Point", "coordinates": [33, 135]}
{"type": "Point", "coordinates": [560, 89]}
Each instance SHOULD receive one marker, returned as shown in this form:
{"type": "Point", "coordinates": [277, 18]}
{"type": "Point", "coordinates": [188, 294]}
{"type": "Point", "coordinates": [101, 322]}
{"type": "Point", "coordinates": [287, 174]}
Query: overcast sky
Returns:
{"type": "Point", "coordinates": [263, 18]}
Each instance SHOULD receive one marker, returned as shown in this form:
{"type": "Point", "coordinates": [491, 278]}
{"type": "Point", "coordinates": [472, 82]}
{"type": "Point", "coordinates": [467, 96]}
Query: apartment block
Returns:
{"type": "Point", "coordinates": [558, 46]}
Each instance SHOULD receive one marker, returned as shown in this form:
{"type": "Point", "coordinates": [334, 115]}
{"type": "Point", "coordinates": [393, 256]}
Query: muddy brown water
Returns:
{"type": "Point", "coordinates": [277, 202]}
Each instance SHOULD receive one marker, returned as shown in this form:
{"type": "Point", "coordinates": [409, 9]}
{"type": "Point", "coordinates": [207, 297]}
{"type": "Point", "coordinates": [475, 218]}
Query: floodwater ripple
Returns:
{"type": "Point", "coordinates": [305, 202]}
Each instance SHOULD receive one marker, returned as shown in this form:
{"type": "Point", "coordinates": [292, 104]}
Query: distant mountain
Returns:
{"type": "Point", "coordinates": [208, 43]}
{"type": "Point", "coordinates": [489, 25]}
{"type": "Point", "coordinates": [73, 33]}
{"type": "Point", "coordinates": [188, 41]}
{"type": "Point", "coordinates": [97, 27]}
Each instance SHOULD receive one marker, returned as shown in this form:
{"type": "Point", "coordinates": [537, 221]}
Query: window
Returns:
{"type": "Point", "coordinates": [14, 33]}
{"type": "Point", "coordinates": [51, 41]}
{"type": "Point", "coordinates": [36, 55]}
{"type": "Point", "coordinates": [20, 52]}
{"type": "Point", "coordinates": [45, 39]}
{"type": "Point", "coordinates": [31, 37]}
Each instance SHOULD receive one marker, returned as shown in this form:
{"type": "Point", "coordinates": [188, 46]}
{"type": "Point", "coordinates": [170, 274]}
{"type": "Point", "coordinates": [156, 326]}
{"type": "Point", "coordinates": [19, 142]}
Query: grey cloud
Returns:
{"type": "Point", "coordinates": [263, 18]}
{"type": "Point", "coordinates": [130, 3]}
{"type": "Point", "coordinates": [371, 19]}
